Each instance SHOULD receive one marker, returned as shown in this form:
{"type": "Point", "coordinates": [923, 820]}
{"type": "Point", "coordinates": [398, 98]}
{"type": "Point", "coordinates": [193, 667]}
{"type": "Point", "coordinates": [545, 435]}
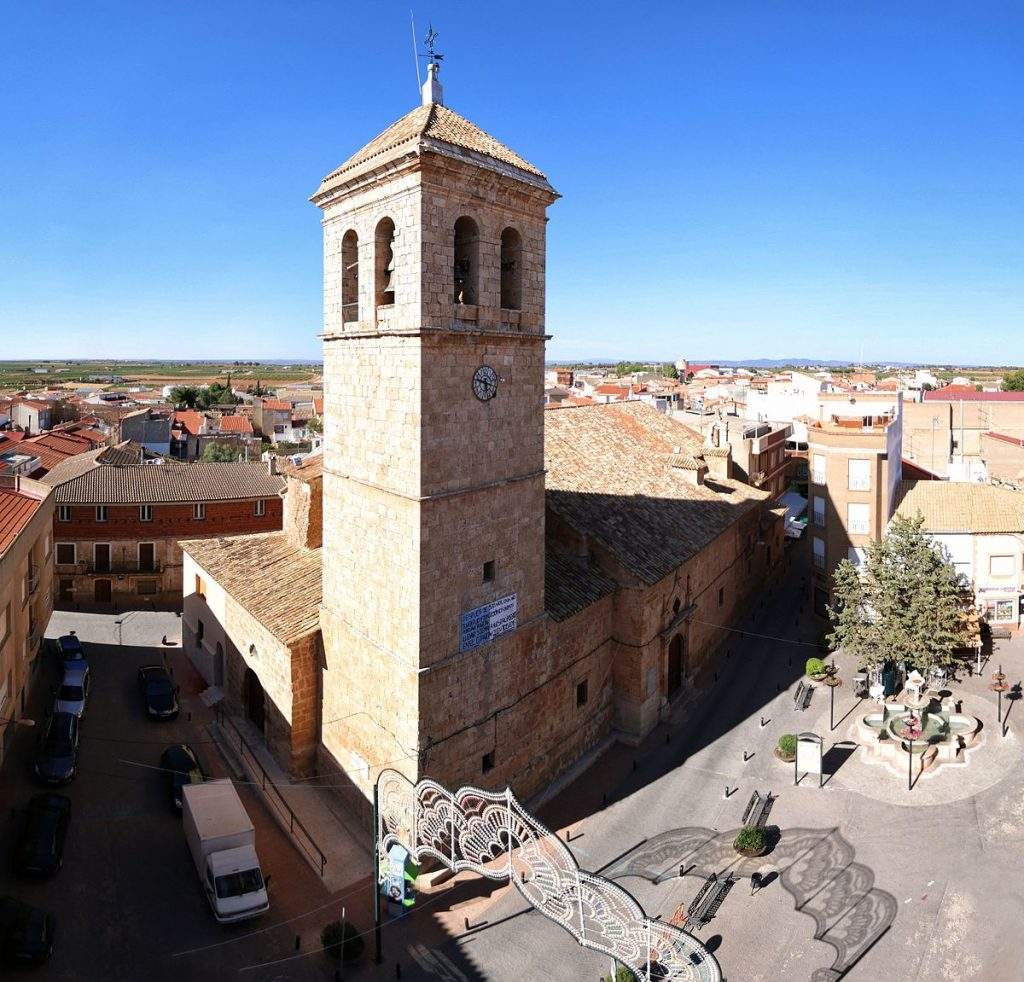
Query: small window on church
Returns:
{"type": "Point", "coordinates": [581, 694]}
{"type": "Point", "coordinates": [489, 571]}
{"type": "Point", "coordinates": [467, 260]}
{"type": "Point", "coordinates": [384, 262]}
{"type": "Point", "coordinates": [676, 606]}
{"type": "Point", "coordinates": [511, 269]}
{"type": "Point", "coordinates": [487, 763]}
{"type": "Point", "coordinates": [350, 277]}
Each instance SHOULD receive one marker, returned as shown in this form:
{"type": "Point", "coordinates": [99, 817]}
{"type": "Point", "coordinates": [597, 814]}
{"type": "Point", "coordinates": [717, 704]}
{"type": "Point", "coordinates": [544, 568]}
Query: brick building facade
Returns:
{"type": "Point", "coordinates": [117, 522]}
{"type": "Point", "coordinates": [26, 590]}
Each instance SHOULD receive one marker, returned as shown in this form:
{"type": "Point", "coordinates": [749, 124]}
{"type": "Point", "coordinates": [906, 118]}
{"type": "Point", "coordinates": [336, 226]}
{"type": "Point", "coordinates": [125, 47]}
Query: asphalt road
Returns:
{"type": "Point", "coordinates": [128, 901]}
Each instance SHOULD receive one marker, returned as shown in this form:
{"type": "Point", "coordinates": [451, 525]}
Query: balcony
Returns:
{"type": "Point", "coordinates": [119, 566]}
{"type": "Point", "coordinates": [33, 581]}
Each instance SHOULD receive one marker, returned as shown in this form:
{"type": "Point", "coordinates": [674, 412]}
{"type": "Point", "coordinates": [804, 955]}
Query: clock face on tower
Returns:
{"type": "Point", "coordinates": [485, 383]}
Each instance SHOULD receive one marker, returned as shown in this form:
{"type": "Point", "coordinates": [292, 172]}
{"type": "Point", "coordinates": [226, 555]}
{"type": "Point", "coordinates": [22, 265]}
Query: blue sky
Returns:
{"type": "Point", "coordinates": [738, 179]}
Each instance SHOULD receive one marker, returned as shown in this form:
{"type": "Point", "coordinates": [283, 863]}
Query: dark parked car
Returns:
{"type": "Point", "coordinates": [57, 756]}
{"type": "Point", "coordinates": [26, 933]}
{"type": "Point", "coordinates": [160, 693]}
{"type": "Point", "coordinates": [39, 850]}
{"type": "Point", "coordinates": [180, 766]}
{"type": "Point", "coordinates": [71, 651]}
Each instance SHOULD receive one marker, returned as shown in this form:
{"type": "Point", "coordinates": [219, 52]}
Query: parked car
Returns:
{"type": "Point", "coordinates": [73, 691]}
{"type": "Point", "coordinates": [57, 756]}
{"type": "Point", "coordinates": [39, 850]}
{"type": "Point", "coordinates": [180, 766]}
{"type": "Point", "coordinates": [26, 933]}
{"type": "Point", "coordinates": [71, 650]}
{"type": "Point", "coordinates": [159, 692]}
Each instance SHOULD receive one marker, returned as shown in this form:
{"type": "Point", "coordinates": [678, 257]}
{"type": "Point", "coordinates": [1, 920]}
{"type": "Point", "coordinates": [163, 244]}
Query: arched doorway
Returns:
{"type": "Point", "coordinates": [676, 665]}
{"type": "Point", "coordinates": [255, 702]}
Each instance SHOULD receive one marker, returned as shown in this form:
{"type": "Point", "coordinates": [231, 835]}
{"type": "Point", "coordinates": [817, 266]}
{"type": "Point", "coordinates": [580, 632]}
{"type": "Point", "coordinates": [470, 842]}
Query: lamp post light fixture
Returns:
{"type": "Point", "coordinates": [833, 681]}
{"type": "Point", "coordinates": [999, 686]}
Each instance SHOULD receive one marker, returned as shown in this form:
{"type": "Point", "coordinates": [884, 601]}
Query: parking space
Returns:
{"type": "Point", "coordinates": [128, 899]}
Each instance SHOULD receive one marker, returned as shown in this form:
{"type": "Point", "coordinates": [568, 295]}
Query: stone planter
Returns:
{"type": "Point", "coordinates": [752, 853]}
{"type": "Point", "coordinates": [785, 758]}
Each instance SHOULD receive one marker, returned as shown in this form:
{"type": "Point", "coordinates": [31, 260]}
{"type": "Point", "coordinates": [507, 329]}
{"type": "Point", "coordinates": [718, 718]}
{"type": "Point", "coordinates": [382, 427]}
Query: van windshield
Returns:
{"type": "Point", "coordinates": [237, 884]}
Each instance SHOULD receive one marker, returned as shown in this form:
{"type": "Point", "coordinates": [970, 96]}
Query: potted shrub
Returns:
{"type": "Point", "coordinates": [816, 669]}
{"type": "Point", "coordinates": [341, 941]}
{"type": "Point", "coordinates": [751, 841]}
{"type": "Point", "coordinates": [786, 749]}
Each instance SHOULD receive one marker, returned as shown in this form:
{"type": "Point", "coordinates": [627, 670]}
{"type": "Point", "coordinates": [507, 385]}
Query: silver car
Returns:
{"type": "Point", "coordinates": [73, 691]}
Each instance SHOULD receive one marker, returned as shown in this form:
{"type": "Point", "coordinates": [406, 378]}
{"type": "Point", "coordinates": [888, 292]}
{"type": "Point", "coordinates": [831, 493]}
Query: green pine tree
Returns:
{"type": "Point", "coordinates": [906, 603]}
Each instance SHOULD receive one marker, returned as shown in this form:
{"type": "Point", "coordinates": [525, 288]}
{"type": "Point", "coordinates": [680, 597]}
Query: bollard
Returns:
{"type": "Point", "coordinates": [297, 942]}
{"type": "Point", "coordinates": [634, 763]}
{"type": "Point", "coordinates": [467, 923]}
{"type": "Point", "coordinates": [398, 970]}
{"type": "Point", "coordinates": [668, 739]}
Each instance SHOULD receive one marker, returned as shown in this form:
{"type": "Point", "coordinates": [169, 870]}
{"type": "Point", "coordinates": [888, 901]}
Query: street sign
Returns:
{"type": "Point", "coordinates": [808, 757]}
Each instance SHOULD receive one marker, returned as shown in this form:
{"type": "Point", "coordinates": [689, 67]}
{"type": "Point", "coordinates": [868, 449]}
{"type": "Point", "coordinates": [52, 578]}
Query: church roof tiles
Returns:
{"type": "Point", "coordinates": [416, 131]}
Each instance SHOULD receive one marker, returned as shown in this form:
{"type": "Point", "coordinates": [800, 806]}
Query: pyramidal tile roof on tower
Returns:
{"type": "Point", "coordinates": [416, 130]}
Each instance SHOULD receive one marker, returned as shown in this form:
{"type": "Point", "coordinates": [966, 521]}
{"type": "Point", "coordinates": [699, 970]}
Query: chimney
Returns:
{"type": "Point", "coordinates": [433, 94]}
{"type": "Point", "coordinates": [272, 463]}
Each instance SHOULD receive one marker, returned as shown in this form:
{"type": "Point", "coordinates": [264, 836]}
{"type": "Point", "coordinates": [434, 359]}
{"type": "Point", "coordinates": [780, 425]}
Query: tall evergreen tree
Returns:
{"type": "Point", "coordinates": [906, 603]}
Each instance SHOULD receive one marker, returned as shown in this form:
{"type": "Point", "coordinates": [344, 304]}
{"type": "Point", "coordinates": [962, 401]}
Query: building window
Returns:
{"type": "Point", "coordinates": [66, 554]}
{"type": "Point", "coordinates": [5, 622]}
{"type": "Point", "coordinates": [145, 588]}
{"type": "Point", "coordinates": [200, 589]}
{"type": "Point", "coordinates": [581, 694]}
{"type": "Point", "coordinates": [859, 475]}
{"type": "Point", "coordinates": [819, 511]}
{"type": "Point", "coordinates": [1001, 566]}
{"type": "Point", "coordinates": [101, 513]}
{"type": "Point", "coordinates": [349, 277]}
{"type": "Point", "coordinates": [818, 468]}
{"type": "Point", "coordinates": [66, 589]}
{"type": "Point", "coordinates": [64, 513]}
{"type": "Point", "coordinates": [199, 511]}
{"type": "Point", "coordinates": [200, 630]}
{"type": "Point", "coordinates": [487, 762]}
{"type": "Point", "coordinates": [384, 263]}
{"type": "Point", "coordinates": [1003, 610]}
{"type": "Point", "coordinates": [857, 556]}
{"type": "Point", "coordinates": [721, 595]}
{"type": "Point", "coordinates": [858, 518]}
{"type": "Point", "coordinates": [489, 571]}
{"type": "Point", "coordinates": [466, 266]}
{"type": "Point", "coordinates": [511, 269]}
{"type": "Point", "coordinates": [819, 553]}
{"type": "Point", "coordinates": [145, 513]}
{"type": "Point", "coordinates": [47, 545]}
{"type": "Point", "coordinates": [260, 508]}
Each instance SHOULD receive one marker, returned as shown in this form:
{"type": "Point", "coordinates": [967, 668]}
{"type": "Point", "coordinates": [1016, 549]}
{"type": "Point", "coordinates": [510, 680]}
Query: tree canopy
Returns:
{"type": "Point", "coordinates": [1014, 381]}
{"type": "Point", "coordinates": [905, 603]}
{"type": "Point", "coordinates": [196, 397]}
{"type": "Point", "coordinates": [219, 453]}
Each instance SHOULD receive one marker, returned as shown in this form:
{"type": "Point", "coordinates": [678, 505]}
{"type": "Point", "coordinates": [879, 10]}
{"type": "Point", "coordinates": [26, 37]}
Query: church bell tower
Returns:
{"type": "Point", "coordinates": [433, 541]}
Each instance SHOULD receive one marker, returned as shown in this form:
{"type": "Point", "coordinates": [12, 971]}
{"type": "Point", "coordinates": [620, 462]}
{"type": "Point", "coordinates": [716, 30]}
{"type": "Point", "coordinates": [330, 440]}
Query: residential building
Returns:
{"type": "Point", "coordinates": [32, 415]}
{"type": "Point", "coordinates": [944, 432]}
{"type": "Point", "coordinates": [1003, 456]}
{"type": "Point", "coordinates": [504, 587]}
{"type": "Point", "coordinates": [758, 449]}
{"type": "Point", "coordinates": [855, 466]}
{"type": "Point", "coordinates": [272, 418]}
{"type": "Point", "coordinates": [149, 427]}
{"type": "Point", "coordinates": [26, 589]}
{"type": "Point", "coordinates": [981, 527]}
{"type": "Point", "coordinates": [194, 431]}
{"type": "Point", "coordinates": [118, 519]}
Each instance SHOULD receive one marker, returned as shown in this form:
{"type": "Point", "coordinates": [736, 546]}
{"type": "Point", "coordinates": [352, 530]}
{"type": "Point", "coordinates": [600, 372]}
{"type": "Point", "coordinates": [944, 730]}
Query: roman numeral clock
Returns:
{"type": "Point", "coordinates": [485, 383]}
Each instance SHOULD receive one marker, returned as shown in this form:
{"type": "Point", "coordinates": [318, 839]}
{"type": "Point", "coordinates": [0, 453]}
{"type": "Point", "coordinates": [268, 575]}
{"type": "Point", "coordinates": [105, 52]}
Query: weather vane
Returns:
{"type": "Point", "coordinates": [429, 41]}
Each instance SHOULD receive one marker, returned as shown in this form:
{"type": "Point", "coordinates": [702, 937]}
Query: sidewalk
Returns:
{"type": "Point", "coordinates": [346, 847]}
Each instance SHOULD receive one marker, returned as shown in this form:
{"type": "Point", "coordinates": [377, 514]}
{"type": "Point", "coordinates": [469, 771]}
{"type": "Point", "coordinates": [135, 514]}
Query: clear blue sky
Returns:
{"type": "Point", "coordinates": [738, 179]}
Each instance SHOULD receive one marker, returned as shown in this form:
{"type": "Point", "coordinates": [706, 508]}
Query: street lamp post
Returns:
{"type": "Point", "coordinates": [999, 686]}
{"type": "Point", "coordinates": [910, 765]}
{"type": "Point", "coordinates": [833, 681]}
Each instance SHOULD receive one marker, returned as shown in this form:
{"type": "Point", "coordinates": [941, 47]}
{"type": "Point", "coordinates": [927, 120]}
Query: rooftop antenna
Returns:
{"type": "Point", "coordinates": [415, 54]}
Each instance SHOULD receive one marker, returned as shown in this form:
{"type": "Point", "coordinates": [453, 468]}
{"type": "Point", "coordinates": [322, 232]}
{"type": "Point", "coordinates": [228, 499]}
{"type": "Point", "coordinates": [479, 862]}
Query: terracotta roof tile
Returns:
{"type": "Point", "coordinates": [277, 405]}
{"type": "Point", "coordinates": [571, 585]}
{"type": "Point", "coordinates": [416, 131]}
{"type": "Point", "coordinates": [609, 474]}
{"type": "Point", "coordinates": [961, 506]}
{"type": "Point", "coordinates": [16, 511]}
{"type": "Point", "coordinates": [277, 582]}
{"type": "Point", "coordinates": [235, 424]}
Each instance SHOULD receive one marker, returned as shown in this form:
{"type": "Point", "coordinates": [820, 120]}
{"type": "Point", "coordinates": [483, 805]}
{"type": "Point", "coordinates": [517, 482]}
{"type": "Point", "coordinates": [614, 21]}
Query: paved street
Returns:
{"type": "Point", "coordinates": [128, 900]}
{"type": "Point", "coordinates": [883, 877]}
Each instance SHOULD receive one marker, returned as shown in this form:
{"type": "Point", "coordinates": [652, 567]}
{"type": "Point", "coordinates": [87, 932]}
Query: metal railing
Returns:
{"type": "Point", "coordinates": [123, 566]}
{"type": "Point", "coordinates": [272, 792]}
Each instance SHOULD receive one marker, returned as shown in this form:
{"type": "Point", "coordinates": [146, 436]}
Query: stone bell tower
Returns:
{"type": "Point", "coordinates": [433, 540]}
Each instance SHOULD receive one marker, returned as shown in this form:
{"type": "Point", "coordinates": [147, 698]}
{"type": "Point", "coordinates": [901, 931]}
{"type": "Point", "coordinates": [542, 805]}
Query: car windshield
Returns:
{"type": "Point", "coordinates": [237, 884]}
{"type": "Point", "coordinates": [58, 741]}
{"type": "Point", "coordinates": [71, 693]}
{"type": "Point", "coordinates": [158, 687]}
